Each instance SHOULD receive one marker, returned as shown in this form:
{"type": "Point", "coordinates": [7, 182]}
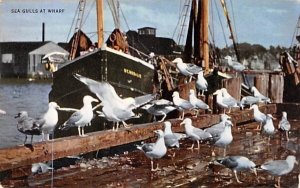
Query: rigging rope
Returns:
{"type": "Point", "coordinates": [70, 30]}
{"type": "Point", "coordinates": [88, 13]}
{"type": "Point", "coordinates": [222, 27]}
{"type": "Point", "coordinates": [234, 23]}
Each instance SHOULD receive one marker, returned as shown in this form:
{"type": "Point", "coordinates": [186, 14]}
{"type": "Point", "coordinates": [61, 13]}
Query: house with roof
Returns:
{"type": "Point", "coordinates": [23, 59]}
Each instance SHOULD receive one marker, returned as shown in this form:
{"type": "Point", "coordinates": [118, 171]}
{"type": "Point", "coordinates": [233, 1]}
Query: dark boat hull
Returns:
{"type": "Point", "coordinates": [128, 75]}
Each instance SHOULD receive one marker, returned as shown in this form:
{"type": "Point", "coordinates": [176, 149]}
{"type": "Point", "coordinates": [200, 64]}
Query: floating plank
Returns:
{"type": "Point", "coordinates": [18, 156]}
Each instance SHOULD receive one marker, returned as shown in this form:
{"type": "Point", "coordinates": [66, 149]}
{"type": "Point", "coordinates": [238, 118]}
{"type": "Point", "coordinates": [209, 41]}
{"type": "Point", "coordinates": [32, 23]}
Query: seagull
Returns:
{"type": "Point", "coordinates": [268, 127]}
{"type": "Point", "coordinates": [27, 126]}
{"type": "Point", "coordinates": [171, 139]}
{"type": "Point", "coordinates": [284, 125]}
{"type": "Point", "coordinates": [257, 94]}
{"type": "Point", "coordinates": [279, 167]}
{"type": "Point", "coordinates": [258, 116]}
{"type": "Point", "coordinates": [181, 104]}
{"type": "Point", "coordinates": [197, 103]}
{"type": "Point", "coordinates": [223, 139]}
{"type": "Point", "coordinates": [194, 133]}
{"type": "Point", "coordinates": [55, 57]}
{"type": "Point", "coordinates": [159, 108]}
{"type": "Point", "coordinates": [237, 164]}
{"type": "Point", "coordinates": [48, 121]}
{"type": "Point", "coordinates": [224, 102]}
{"type": "Point", "coordinates": [81, 117]}
{"type": "Point", "coordinates": [218, 128]}
{"type": "Point", "coordinates": [155, 150]}
{"type": "Point", "coordinates": [236, 66]}
{"type": "Point", "coordinates": [187, 69]}
{"type": "Point", "coordinates": [231, 101]}
{"type": "Point", "coordinates": [249, 100]}
{"type": "Point", "coordinates": [201, 82]}
{"type": "Point", "coordinates": [114, 108]}
{"type": "Point", "coordinates": [37, 168]}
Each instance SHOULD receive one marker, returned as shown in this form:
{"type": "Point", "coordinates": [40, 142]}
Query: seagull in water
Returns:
{"type": "Point", "coordinates": [201, 82]}
{"type": "Point", "coordinates": [82, 117]}
{"type": "Point", "coordinates": [27, 126]}
{"type": "Point", "coordinates": [257, 94]}
{"type": "Point", "coordinates": [258, 116]}
{"type": "Point", "coordinates": [114, 108]}
{"type": "Point", "coordinates": [155, 150]}
{"type": "Point", "coordinates": [181, 104]}
{"type": "Point", "coordinates": [279, 167]}
{"type": "Point", "coordinates": [237, 164]}
{"type": "Point", "coordinates": [197, 103]}
{"type": "Point", "coordinates": [194, 133]}
{"type": "Point", "coordinates": [159, 108]}
{"type": "Point", "coordinates": [284, 125]}
{"type": "Point", "coordinates": [48, 121]}
{"type": "Point", "coordinates": [187, 69]}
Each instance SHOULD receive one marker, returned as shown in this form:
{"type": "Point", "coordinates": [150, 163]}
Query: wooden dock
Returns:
{"type": "Point", "coordinates": [15, 157]}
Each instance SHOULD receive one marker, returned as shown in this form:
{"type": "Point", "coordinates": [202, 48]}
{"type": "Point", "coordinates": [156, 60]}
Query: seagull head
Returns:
{"type": "Point", "coordinates": [159, 133]}
{"type": "Point", "coordinates": [175, 94]}
{"type": "Point", "coordinates": [254, 107]}
{"type": "Point", "coordinates": [53, 105]}
{"type": "Point", "coordinates": [284, 114]}
{"type": "Point", "coordinates": [177, 60]}
{"type": "Point", "coordinates": [291, 159]}
{"type": "Point", "coordinates": [218, 92]}
{"type": "Point", "coordinates": [88, 99]}
{"type": "Point", "coordinates": [269, 116]}
{"type": "Point", "coordinates": [186, 121]}
{"type": "Point", "coordinates": [192, 92]}
{"type": "Point", "coordinates": [225, 117]}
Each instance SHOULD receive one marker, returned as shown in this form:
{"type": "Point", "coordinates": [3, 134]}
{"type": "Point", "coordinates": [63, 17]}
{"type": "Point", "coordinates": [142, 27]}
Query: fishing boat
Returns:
{"type": "Point", "coordinates": [110, 62]}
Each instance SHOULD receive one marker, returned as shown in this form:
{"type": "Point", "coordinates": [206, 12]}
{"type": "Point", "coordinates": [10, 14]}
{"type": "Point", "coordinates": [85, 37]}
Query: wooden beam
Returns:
{"type": "Point", "coordinates": [18, 156]}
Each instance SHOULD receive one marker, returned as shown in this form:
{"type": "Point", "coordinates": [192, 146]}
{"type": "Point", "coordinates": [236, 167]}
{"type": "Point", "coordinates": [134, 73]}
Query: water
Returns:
{"type": "Point", "coordinates": [17, 95]}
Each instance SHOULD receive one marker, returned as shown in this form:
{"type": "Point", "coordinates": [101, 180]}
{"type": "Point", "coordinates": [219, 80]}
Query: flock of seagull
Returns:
{"type": "Point", "coordinates": [118, 110]}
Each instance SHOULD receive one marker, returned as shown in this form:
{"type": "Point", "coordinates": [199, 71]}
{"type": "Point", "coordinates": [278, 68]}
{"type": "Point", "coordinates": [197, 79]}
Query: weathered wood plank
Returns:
{"type": "Point", "coordinates": [21, 156]}
{"type": "Point", "coordinates": [276, 88]}
{"type": "Point", "coordinates": [261, 82]}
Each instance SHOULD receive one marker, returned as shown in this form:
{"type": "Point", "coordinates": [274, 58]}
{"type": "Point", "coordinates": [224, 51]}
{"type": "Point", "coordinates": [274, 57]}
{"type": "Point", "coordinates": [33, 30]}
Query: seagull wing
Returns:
{"type": "Point", "coordinates": [141, 100]}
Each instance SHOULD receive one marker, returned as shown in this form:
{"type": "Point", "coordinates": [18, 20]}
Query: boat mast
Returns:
{"type": "Point", "coordinates": [100, 24]}
{"type": "Point", "coordinates": [205, 30]}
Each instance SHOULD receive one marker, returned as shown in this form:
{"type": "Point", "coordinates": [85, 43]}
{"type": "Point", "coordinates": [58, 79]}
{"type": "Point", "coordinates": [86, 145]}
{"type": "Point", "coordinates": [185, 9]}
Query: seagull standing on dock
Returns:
{"type": "Point", "coordinates": [27, 126]}
{"type": "Point", "coordinates": [159, 108]}
{"type": "Point", "coordinates": [284, 125]}
{"type": "Point", "coordinates": [201, 83]}
{"type": "Point", "coordinates": [114, 108]}
{"type": "Point", "coordinates": [194, 133]}
{"type": "Point", "coordinates": [268, 127]}
{"type": "Point", "coordinates": [236, 66]}
{"type": "Point", "coordinates": [82, 117]}
{"type": "Point", "coordinates": [187, 69]}
{"type": "Point", "coordinates": [223, 139]}
{"type": "Point", "coordinates": [258, 116]}
{"type": "Point", "coordinates": [181, 104]}
{"type": "Point", "coordinates": [257, 94]}
{"type": "Point", "coordinates": [48, 121]}
{"type": "Point", "coordinates": [279, 167]}
{"type": "Point", "coordinates": [155, 150]}
{"type": "Point", "coordinates": [225, 102]}
{"type": "Point", "coordinates": [197, 103]}
{"type": "Point", "coordinates": [237, 164]}
{"type": "Point", "coordinates": [230, 100]}
{"type": "Point", "coordinates": [249, 100]}
{"type": "Point", "coordinates": [216, 129]}
{"type": "Point", "coordinates": [171, 139]}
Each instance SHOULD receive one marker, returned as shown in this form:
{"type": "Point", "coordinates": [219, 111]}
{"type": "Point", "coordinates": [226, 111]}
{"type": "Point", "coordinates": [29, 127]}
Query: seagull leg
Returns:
{"type": "Point", "coordinates": [192, 146]}
{"type": "Point", "coordinates": [31, 139]}
{"type": "Point", "coordinates": [165, 115]}
{"type": "Point", "coordinates": [278, 183]}
{"type": "Point", "coordinates": [25, 139]}
{"type": "Point", "coordinates": [152, 169]}
{"type": "Point", "coordinates": [237, 179]}
{"type": "Point", "coordinates": [224, 154]}
{"type": "Point", "coordinates": [79, 131]}
{"type": "Point", "coordinates": [198, 145]}
{"type": "Point", "coordinates": [258, 128]}
{"type": "Point", "coordinates": [287, 135]}
{"type": "Point", "coordinates": [82, 132]}
{"type": "Point", "coordinates": [182, 117]}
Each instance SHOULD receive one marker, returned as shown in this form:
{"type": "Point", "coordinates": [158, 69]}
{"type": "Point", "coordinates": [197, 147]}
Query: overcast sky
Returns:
{"type": "Point", "coordinates": [266, 22]}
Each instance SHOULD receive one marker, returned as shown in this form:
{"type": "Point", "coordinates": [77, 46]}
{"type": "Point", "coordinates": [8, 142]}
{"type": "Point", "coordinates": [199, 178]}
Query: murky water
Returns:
{"type": "Point", "coordinates": [189, 168]}
{"type": "Point", "coordinates": [17, 95]}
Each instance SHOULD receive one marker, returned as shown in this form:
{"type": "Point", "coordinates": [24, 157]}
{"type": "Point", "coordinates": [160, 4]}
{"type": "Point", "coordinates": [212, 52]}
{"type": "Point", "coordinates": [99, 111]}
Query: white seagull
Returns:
{"type": "Point", "coordinates": [284, 125]}
{"type": "Point", "coordinates": [223, 139]}
{"type": "Point", "coordinates": [114, 108]}
{"type": "Point", "coordinates": [195, 133]}
{"type": "Point", "coordinates": [279, 167]}
{"type": "Point", "coordinates": [181, 104]}
{"type": "Point", "coordinates": [48, 121]}
{"type": "Point", "coordinates": [82, 117]}
{"type": "Point", "coordinates": [201, 82]}
{"type": "Point", "coordinates": [224, 102]}
{"type": "Point", "coordinates": [258, 116]}
{"type": "Point", "coordinates": [55, 57]}
{"type": "Point", "coordinates": [268, 127]}
{"type": "Point", "coordinates": [187, 69]}
{"type": "Point", "coordinates": [235, 65]}
{"type": "Point", "coordinates": [155, 150]}
{"type": "Point", "coordinates": [171, 139]}
{"type": "Point", "coordinates": [257, 94]}
{"type": "Point", "coordinates": [197, 103]}
{"type": "Point", "coordinates": [218, 128]}
{"type": "Point", "coordinates": [248, 100]}
{"type": "Point", "coordinates": [237, 164]}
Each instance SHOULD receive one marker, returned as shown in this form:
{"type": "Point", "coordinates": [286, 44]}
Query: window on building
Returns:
{"type": "Point", "coordinates": [7, 58]}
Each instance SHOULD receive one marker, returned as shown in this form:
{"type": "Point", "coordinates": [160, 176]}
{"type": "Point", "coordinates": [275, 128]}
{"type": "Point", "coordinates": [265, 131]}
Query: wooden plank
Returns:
{"type": "Point", "coordinates": [233, 86]}
{"type": "Point", "coordinates": [18, 156]}
{"type": "Point", "coordinates": [261, 82]}
{"type": "Point", "coordinates": [276, 88]}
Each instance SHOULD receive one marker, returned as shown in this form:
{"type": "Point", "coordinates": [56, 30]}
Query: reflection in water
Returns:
{"type": "Point", "coordinates": [17, 95]}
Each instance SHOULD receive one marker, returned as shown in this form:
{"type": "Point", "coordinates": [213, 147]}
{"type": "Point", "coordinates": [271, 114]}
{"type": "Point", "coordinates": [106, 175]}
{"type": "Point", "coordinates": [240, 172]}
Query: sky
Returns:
{"type": "Point", "coordinates": [265, 22]}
